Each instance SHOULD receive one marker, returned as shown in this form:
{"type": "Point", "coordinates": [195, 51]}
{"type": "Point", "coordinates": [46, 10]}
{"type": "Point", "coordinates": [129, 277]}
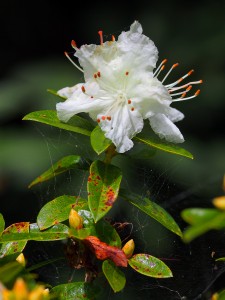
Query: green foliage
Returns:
{"type": "Point", "coordinates": [98, 140]}
{"type": "Point", "coordinates": [10, 271]}
{"type": "Point", "coordinates": [61, 166]}
{"type": "Point", "coordinates": [49, 117]}
{"type": "Point", "coordinates": [155, 142]}
{"type": "Point", "coordinates": [103, 187]}
{"type": "Point", "coordinates": [150, 266]}
{"type": "Point", "coordinates": [75, 291]}
{"type": "Point", "coordinates": [2, 224]}
{"type": "Point", "coordinates": [58, 210]}
{"type": "Point", "coordinates": [114, 275]}
{"type": "Point", "coordinates": [153, 210]}
{"type": "Point", "coordinates": [202, 220]}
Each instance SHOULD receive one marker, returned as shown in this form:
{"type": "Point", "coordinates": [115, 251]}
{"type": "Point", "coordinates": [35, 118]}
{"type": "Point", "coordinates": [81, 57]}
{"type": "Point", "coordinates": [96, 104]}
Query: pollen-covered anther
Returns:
{"type": "Point", "coordinates": [129, 101]}
{"type": "Point", "coordinates": [188, 88]}
{"type": "Point", "coordinates": [108, 118]}
{"type": "Point", "coordinates": [73, 44]}
{"type": "Point", "coordinates": [98, 74]}
{"type": "Point", "coordinates": [183, 95]}
{"type": "Point", "coordinates": [113, 38]}
{"type": "Point", "coordinates": [83, 89]}
{"type": "Point", "coordinates": [197, 93]}
{"type": "Point", "coordinates": [175, 65]}
{"type": "Point", "coordinates": [101, 37]}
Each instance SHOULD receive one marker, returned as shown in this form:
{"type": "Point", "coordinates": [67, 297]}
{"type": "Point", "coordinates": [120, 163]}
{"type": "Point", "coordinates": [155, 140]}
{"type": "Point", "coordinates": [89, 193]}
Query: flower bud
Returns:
{"type": "Point", "coordinates": [20, 258]}
{"type": "Point", "coordinates": [20, 289]}
{"type": "Point", "coordinates": [128, 248]}
{"type": "Point", "coordinates": [219, 202]}
{"type": "Point", "coordinates": [39, 293]}
{"type": "Point", "coordinates": [75, 220]}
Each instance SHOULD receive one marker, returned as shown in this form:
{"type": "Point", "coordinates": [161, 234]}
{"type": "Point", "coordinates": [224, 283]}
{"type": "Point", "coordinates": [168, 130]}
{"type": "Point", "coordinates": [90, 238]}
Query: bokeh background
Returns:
{"type": "Point", "coordinates": [34, 36]}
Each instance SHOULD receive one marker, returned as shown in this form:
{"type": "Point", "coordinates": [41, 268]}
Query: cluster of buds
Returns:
{"type": "Point", "coordinates": [20, 291]}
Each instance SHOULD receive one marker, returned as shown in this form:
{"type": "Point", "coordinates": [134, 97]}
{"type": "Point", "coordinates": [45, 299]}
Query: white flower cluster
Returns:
{"type": "Point", "coordinates": [121, 89]}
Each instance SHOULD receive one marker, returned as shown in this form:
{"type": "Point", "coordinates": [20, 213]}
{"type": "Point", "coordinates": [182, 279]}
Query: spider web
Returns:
{"type": "Point", "coordinates": [194, 269]}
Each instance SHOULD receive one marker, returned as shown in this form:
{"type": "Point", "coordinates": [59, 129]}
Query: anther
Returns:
{"type": "Point", "coordinates": [197, 93]}
{"type": "Point", "coordinates": [183, 95]}
{"type": "Point", "coordinates": [98, 120]}
{"type": "Point", "coordinates": [170, 70]}
{"type": "Point", "coordinates": [95, 76]}
{"type": "Point", "coordinates": [103, 118]}
{"type": "Point", "coordinates": [129, 101]}
{"type": "Point", "coordinates": [132, 108]}
{"type": "Point", "coordinates": [175, 65]}
{"type": "Point", "coordinates": [99, 74]}
{"type": "Point", "coordinates": [73, 44]}
{"type": "Point", "coordinates": [101, 37]}
{"type": "Point", "coordinates": [109, 118]}
{"type": "Point", "coordinates": [127, 73]}
{"type": "Point", "coordinates": [113, 38]}
{"type": "Point", "coordinates": [83, 89]}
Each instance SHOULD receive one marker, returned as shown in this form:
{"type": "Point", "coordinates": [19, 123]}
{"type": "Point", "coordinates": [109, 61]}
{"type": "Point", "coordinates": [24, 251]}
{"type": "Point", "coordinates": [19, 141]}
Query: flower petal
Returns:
{"type": "Point", "coordinates": [123, 126]}
{"type": "Point", "coordinates": [81, 101]}
{"type": "Point", "coordinates": [165, 128]}
{"type": "Point", "coordinates": [140, 47]}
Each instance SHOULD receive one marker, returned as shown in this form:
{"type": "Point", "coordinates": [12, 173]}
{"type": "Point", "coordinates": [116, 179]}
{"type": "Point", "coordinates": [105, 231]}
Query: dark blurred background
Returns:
{"type": "Point", "coordinates": [33, 37]}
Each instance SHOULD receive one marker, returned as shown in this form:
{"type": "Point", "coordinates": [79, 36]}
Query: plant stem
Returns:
{"type": "Point", "coordinates": [109, 154]}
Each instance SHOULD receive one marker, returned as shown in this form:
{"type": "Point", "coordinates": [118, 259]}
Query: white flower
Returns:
{"type": "Point", "coordinates": [121, 90]}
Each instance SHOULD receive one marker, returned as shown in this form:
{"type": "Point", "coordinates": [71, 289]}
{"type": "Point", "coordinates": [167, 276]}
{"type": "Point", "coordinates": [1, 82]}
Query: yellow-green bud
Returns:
{"type": "Point", "coordinates": [219, 202]}
{"type": "Point", "coordinates": [128, 248]}
{"type": "Point", "coordinates": [75, 220]}
{"type": "Point", "coordinates": [20, 258]}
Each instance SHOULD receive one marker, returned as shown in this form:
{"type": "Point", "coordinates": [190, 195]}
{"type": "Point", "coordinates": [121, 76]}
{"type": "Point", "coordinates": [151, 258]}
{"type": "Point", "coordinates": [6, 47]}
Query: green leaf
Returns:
{"type": "Point", "coordinates": [44, 263]}
{"type": "Point", "coordinates": [153, 210]}
{"type": "Point", "coordinates": [61, 166]}
{"type": "Point", "coordinates": [2, 224]}
{"type": "Point", "coordinates": [107, 233]}
{"type": "Point", "coordinates": [150, 266]}
{"type": "Point", "coordinates": [76, 123]}
{"type": "Point", "coordinates": [80, 234]}
{"type": "Point", "coordinates": [9, 247]}
{"type": "Point", "coordinates": [57, 232]}
{"type": "Point", "coordinates": [103, 187]}
{"type": "Point", "coordinates": [98, 140]}
{"type": "Point", "coordinates": [114, 275]}
{"type": "Point", "coordinates": [220, 259]}
{"type": "Point", "coordinates": [203, 220]}
{"type": "Point", "coordinates": [58, 210]}
{"type": "Point", "coordinates": [198, 215]}
{"type": "Point", "coordinates": [155, 142]}
{"type": "Point", "coordinates": [75, 291]}
{"type": "Point", "coordinates": [10, 271]}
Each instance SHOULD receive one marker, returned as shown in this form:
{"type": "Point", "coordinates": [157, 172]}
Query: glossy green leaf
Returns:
{"type": "Point", "coordinates": [103, 187]}
{"type": "Point", "coordinates": [54, 92]}
{"type": "Point", "coordinates": [75, 291]}
{"type": "Point", "coordinates": [153, 210]}
{"type": "Point", "coordinates": [57, 232]}
{"type": "Point", "coordinates": [2, 224]}
{"type": "Point", "coordinates": [198, 215]}
{"type": "Point", "coordinates": [9, 247]}
{"type": "Point", "coordinates": [58, 210]}
{"type": "Point", "coordinates": [10, 271]}
{"type": "Point", "coordinates": [155, 142]}
{"type": "Point", "coordinates": [98, 140]}
{"type": "Point", "coordinates": [61, 166]}
{"type": "Point", "coordinates": [49, 117]}
{"type": "Point", "coordinates": [107, 233]}
{"type": "Point", "coordinates": [114, 275]}
{"type": "Point", "coordinates": [150, 266]}
{"type": "Point", "coordinates": [205, 219]}
{"type": "Point", "coordinates": [220, 259]}
{"type": "Point", "coordinates": [80, 234]}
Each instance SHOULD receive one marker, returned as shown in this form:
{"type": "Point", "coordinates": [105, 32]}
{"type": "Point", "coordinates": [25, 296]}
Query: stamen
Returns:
{"type": "Point", "coordinates": [109, 118]}
{"type": "Point", "coordinates": [95, 75]}
{"type": "Point", "coordinates": [101, 37]}
{"type": "Point", "coordinates": [180, 93]}
{"type": "Point", "coordinates": [113, 38]}
{"type": "Point", "coordinates": [98, 120]}
{"type": "Point", "coordinates": [132, 108]}
{"type": "Point", "coordinates": [67, 55]}
{"type": "Point", "coordinates": [183, 86]}
{"type": "Point", "coordinates": [187, 98]}
{"type": "Point", "coordinates": [99, 74]}
{"type": "Point", "coordinates": [170, 70]}
{"type": "Point", "coordinates": [162, 63]}
{"type": "Point", "coordinates": [161, 69]}
{"type": "Point", "coordinates": [127, 73]}
{"type": "Point", "coordinates": [129, 101]}
{"type": "Point", "coordinates": [83, 89]}
{"type": "Point", "coordinates": [179, 80]}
